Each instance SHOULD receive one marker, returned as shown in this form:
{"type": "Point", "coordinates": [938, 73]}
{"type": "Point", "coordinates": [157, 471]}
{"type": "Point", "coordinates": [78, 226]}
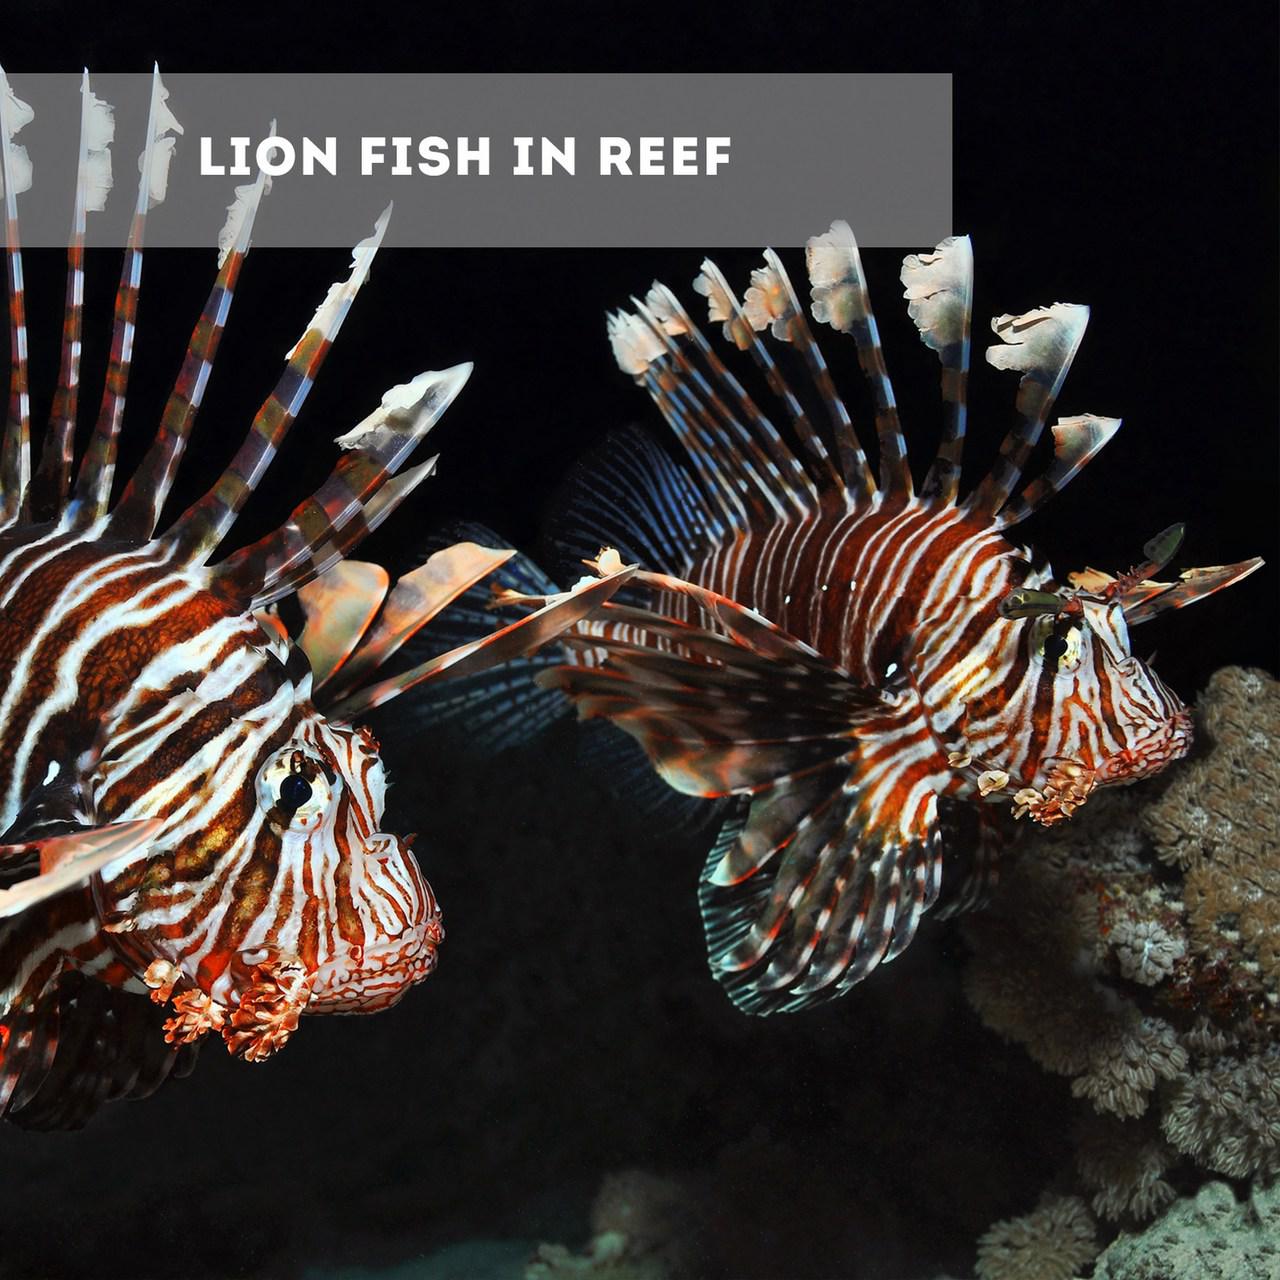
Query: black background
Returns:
{"type": "Point", "coordinates": [1125, 159]}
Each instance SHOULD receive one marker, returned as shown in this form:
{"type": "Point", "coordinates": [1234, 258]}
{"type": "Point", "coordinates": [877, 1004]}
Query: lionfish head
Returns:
{"type": "Point", "coordinates": [1112, 719]}
{"type": "Point", "coordinates": [376, 921]}
{"type": "Point", "coordinates": [1100, 715]}
{"type": "Point", "coordinates": [273, 848]}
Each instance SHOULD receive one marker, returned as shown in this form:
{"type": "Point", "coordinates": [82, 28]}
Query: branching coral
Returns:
{"type": "Point", "coordinates": [1051, 1243]}
{"type": "Point", "coordinates": [1137, 951]}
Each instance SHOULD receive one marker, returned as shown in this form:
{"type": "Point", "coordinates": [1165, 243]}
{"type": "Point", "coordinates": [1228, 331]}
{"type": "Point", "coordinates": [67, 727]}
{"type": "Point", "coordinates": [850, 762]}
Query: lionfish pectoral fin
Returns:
{"type": "Point", "coordinates": [419, 597]}
{"type": "Point", "coordinates": [69, 860]}
{"type": "Point", "coordinates": [818, 874]}
{"type": "Point", "coordinates": [339, 608]}
{"type": "Point", "coordinates": [976, 839]}
{"type": "Point", "coordinates": [463, 591]}
{"type": "Point", "coordinates": [516, 640]}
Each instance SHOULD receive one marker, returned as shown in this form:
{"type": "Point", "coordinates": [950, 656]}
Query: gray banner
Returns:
{"type": "Point", "coordinates": [706, 160]}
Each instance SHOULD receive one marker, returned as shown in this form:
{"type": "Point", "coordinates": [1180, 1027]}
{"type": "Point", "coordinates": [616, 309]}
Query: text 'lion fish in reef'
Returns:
{"type": "Point", "coordinates": [845, 654]}
{"type": "Point", "coordinates": [188, 810]}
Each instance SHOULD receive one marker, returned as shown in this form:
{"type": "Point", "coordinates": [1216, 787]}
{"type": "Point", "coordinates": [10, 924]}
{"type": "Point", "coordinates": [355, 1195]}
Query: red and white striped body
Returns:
{"type": "Point", "coordinates": [842, 651]}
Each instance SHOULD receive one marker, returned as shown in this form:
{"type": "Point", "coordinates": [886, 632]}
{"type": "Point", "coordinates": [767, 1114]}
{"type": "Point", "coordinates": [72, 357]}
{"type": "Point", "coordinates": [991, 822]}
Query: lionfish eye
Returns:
{"type": "Point", "coordinates": [1059, 644]}
{"type": "Point", "coordinates": [295, 791]}
{"type": "Point", "coordinates": [1055, 646]}
{"type": "Point", "coordinates": [294, 786]}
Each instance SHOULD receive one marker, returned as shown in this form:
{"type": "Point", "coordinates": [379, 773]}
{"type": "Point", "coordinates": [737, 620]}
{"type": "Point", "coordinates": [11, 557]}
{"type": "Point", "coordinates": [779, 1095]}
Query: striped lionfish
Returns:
{"type": "Point", "coordinates": [849, 657]}
{"type": "Point", "coordinates": [188, 810]}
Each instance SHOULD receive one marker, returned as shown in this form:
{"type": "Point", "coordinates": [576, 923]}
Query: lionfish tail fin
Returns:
{"type": "Point", "coordinates": [360, 493]}
{"type": "Point", "coordinates": [1040, 345]}
{"type": "Point", "coordinates": [51, 484]}
{"type": "Point", "coordinates": [137, 513]}
{"type": "Point", "coordinates": [196, 534]}
{"type": "Point", "coordinates": [840, 299]}
{"type": "Point", "coordinates": [819, 874]}
{"type": "Point", "coordinates": [15, 176]}
{"type": "Point", "coordinates": [92, 494]}
{"type": "Point", "coordinates": [938, 287]}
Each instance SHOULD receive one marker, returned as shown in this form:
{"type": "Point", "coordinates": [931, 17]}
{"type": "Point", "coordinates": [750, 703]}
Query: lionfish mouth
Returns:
{"type": "Point", "coordinates": [371, 978]}
{"type": "Point", "coordinates": [1168, 741]}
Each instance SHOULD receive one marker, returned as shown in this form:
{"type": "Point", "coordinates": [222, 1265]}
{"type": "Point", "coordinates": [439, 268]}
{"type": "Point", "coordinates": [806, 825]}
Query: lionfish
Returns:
{"type": "Point", "coordinates": [844, 654]}
{"type": "Point", "coordinates": [188, 809]}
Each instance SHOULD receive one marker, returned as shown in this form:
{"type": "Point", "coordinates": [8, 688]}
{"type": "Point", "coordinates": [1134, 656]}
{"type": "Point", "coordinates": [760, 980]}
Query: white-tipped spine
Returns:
{"type": "Point", "coordinates": [238, 228]}
{"type": "Point", "coordinates": [838, 285]}
{"type": "Point", "coordinates": [93, 176]}
{"type": "Point", "coordinates": [1040, 344]}
{"type": "Point", "coordinates": [15, 164]}
{"type": "Point", "coordinates": [330, 314]}
{"type": "Point", "coordinates": [938, 287]}
{"type": "Point", "coordinates": [153, 163]}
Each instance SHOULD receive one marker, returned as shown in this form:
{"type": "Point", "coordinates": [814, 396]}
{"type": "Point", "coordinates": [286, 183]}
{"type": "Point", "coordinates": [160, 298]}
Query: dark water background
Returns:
{"type": "Point", "coordinates": [572, 1030]}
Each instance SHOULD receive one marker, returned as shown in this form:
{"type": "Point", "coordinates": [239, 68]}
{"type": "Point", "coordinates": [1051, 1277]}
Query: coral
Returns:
{"type": "Point", "coordinates": [1123, 1163]}
{"type": "Point", "coordinates": [1228, 1116]}
{"type": "Point", "coordinates": [1218, 823]}
{"type": "Point", "coordinates": [1135, 950]}
{"type": "Point", "coordinates": [643, 1227]}
{"type": "Point", "coordinates": [1208, 1237]}
{"type": "Point", "coordinates": [1146, 950]}
{"type": "Point", "coordinates": [609, 1255]}
{"type": "Point", "coordinates": [1053, 1242]}
{"type": "Point", "coordinates": [1125, 1063]}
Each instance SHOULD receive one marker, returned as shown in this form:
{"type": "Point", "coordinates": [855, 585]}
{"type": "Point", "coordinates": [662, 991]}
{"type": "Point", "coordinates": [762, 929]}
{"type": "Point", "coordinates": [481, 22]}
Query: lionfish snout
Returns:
{"type": "Point", "coordinates": [1168, 740]}
{"type": "Point", "coordinates": [397, 938]}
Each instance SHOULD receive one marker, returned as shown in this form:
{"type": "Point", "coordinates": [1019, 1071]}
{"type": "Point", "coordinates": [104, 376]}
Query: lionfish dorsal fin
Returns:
{"type": "Point", "coordinates": [730, 444]}
{"type": "Point", "coordinates": [361, 492]}
{"type": "Point", "coordinates": [741, 457]}
{"type": "Point", "coordinates": [938, 287]}
{"type": "Point", "coordinates": [51, 484]}
{"type": "Point", "coordinates": [1040, 345]}
{"type": "Point", "coordinates": [137, 513]}
{"type": "Point", "coordinates": [15, 174]}
{"type": "Point", "coordinates": [840, 299]}
{"type": "Point", "coordinates": [196, 534]}
{"type": "Point", "coordinates": [1076, 441]}
{"type": "Point", "coordinates": [92, 493]}
{"type": "Point", "coordinates": [771, 303]}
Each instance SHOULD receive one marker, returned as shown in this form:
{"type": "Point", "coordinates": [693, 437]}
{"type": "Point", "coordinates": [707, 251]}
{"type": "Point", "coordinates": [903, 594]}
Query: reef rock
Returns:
{"type": "Point", "coordinates": [1209, 1237]}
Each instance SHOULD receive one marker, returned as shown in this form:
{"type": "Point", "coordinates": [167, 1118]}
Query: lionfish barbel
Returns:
{"type": "Point", "coordinates": [846, 655]}
{"type": "Point", "coordinates": [188, 810]}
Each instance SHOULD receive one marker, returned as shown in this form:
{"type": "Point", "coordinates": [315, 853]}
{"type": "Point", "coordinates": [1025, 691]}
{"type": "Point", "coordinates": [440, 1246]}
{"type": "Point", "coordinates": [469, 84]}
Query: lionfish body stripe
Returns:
{"type": "Point", "coordinates": [188, 812]}
{"type": "Point", "coordinates": [849, 657]}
